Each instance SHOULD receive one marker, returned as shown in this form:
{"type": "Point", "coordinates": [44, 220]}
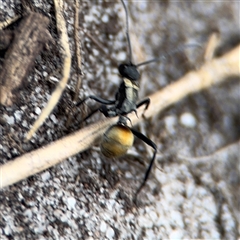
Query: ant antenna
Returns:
{"type": "Point", "coordinates": [127, 32]}
{"type": "Point", "coordinates": [169, 54]}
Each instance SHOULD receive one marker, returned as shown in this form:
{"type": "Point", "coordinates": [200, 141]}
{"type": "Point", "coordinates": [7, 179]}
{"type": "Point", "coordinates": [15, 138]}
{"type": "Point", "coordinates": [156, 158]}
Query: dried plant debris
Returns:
{"type": "Point", "coordinates": [75, 199]}
{"type": "Point", "coordinates": [6, 37]}
{"type": "Point", "coordinates": [28, 41]}
{"type": "Point", "coordinates": [65, 49]}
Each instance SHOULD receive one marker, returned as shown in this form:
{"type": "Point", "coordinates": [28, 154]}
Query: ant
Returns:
{"type": "Point", "coordinates": [119, 137]}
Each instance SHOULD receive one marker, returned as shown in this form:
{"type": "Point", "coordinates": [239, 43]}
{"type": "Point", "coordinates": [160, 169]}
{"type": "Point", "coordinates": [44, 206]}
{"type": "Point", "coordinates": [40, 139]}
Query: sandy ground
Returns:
{"type": "Point", "coordinates": [193, 190]}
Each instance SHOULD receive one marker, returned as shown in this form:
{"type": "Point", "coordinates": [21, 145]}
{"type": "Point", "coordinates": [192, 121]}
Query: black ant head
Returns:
{"type": "Point", "coordinates": [129, 71]}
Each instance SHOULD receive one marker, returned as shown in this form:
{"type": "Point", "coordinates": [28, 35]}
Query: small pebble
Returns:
{"type": "Point", "coordinates": [9, 119]}
{"type": "Point", "coordinates": [170, 123]}
{"type": "Point", "coordinates": [45, 176]}
{"type": "Point", "coordinates": [71, 201]}
{"type": "Point", "coordinates": [110, 233]}
{"type": "Point", "coordinates": [37, 110]}
{"type": "Point", "coordinates": [18, 115]}
{"type": "Point", "coordinates": [105, 18]}
{"type": "Point", "coordinates": [188, 120]}
{"type": "Point", "coordinates": [103, 226]}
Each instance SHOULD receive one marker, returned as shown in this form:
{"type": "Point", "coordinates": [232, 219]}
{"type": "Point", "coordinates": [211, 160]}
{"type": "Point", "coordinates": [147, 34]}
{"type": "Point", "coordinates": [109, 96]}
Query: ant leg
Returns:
{"type": "Point", "coordinates": [144, 102]}
{"type": "Point", "coordinates": [89, 115]}
{"type": "Point", "coordinates": [151, 144]}
{"type": "Point", "coordinates": [97, 99]}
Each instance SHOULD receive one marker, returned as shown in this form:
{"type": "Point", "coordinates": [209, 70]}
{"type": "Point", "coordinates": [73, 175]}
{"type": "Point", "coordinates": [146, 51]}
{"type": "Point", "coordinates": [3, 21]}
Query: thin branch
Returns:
{"type": "Point", "coordinates": [211, 73]}
{"type": "Point", "coordinates": [78, 64]}
{"type": "Point", "coordinates": [77, 50]}
{"type": "Point", "coordinates": [8, 22]}
{"type": "Point", "coordinates": [62, 30]}
{"type": "Point", "coordinates": [213, 43]}
{"type": "Point", "coordinates": [219, 155]}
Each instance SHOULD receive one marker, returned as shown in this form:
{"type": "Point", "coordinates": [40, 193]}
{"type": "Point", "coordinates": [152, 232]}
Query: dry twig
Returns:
{"type": "Point", "coordinates": [213, 43]}
{"type": "Point", "coordinates": [78, 64]}
{"type": "Point", "coordinates": [211, 159]}
{"type": "Point", "coordinates": [211, 73]}
{"type": "Point", "coordinates": [8, 22]}
{"type": "Point", "coordinates": [77, 50]}
{"type": "Point", "coordinates": [62, 30]}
